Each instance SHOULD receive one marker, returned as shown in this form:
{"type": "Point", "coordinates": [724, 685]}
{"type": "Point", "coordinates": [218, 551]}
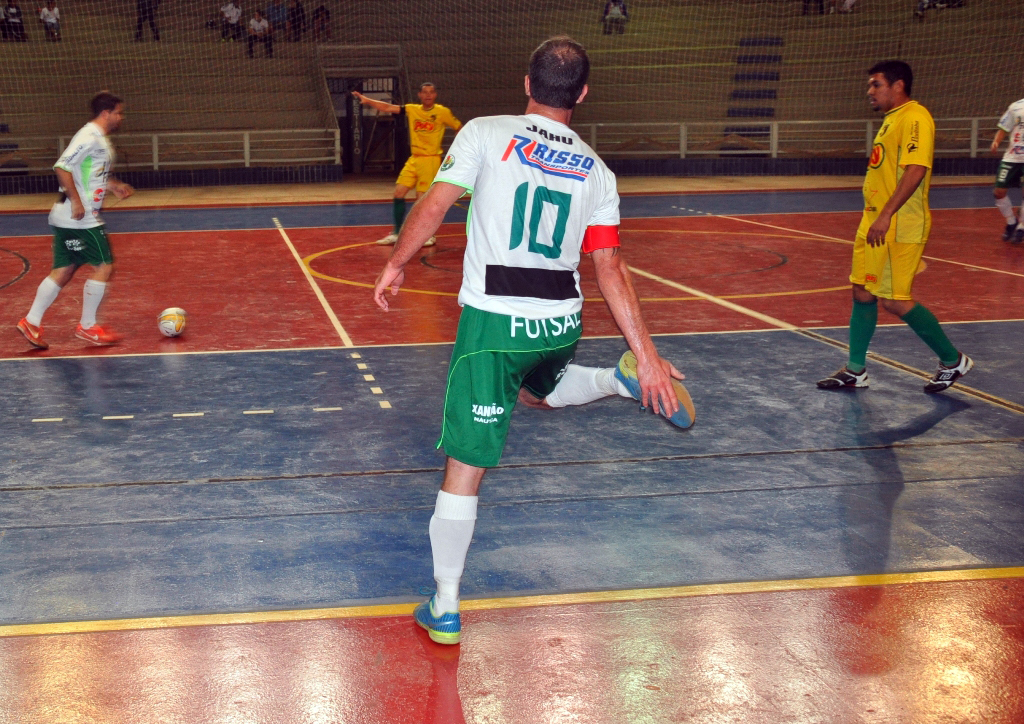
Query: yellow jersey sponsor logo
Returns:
{"type": "Point", "coordinates": [877, 155]}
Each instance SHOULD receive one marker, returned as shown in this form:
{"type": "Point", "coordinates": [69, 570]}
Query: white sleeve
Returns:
{"type": "Point", "coordinates": [1008, 121]}
{"type": "Point", "coordinates": [461, 165]}
{"type": "Point", "coordinates": [607, 211]}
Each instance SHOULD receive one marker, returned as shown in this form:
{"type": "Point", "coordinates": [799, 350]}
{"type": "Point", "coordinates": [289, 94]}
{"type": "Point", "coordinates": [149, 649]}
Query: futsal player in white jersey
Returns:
{"type": "Point", "coordinates": [541, 197]}
{"type": "Point", "coordinates": [1011, 169]}
{"type": "Point", "coordinates": [79, 236]}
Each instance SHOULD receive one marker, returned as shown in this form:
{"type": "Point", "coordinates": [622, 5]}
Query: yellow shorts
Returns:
{"type": "Point", "coordinates": [418, 172]}
{"type": "Point", "coordinates": [888, 270]}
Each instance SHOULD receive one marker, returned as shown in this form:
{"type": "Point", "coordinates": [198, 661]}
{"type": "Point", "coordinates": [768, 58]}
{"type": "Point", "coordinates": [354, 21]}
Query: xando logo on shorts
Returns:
{"type": "Point", "coordinates": [74, 244]}
{"type": "Point", "coordinates": [487, 414]}
{"type": "Point", "coordinates": [877, 156]}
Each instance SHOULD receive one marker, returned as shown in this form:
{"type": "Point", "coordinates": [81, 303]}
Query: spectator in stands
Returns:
{"type": "Point", "coordinates": [321, 23]}
{"type": "Point", "coordinates": [277, 16]}
{"type": "Point", "coordinates": [261, 32]}
{"type": "Point", "coordinates": [615, 17]}
{"type": "Point", "coordinates": [13, 22]}
{"type": "Point", "coordinates": [807, 7]}
{"type": "Point", "coordinates": [145, 11]}
{"type": "Point", "coordinates": [230, 22]}
{"type": "Point", "coordinates": [50, 18]}
{"type": "Point", "coordinates": [296, 21]}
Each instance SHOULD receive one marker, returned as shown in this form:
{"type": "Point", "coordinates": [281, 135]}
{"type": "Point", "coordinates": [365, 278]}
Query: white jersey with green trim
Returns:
{"type": "Point", "coordinates": [536, 188]}
{"type": "Point", "coordinates": [88, 158]}
{"type": "Point", "coordinates": [1012, 123]}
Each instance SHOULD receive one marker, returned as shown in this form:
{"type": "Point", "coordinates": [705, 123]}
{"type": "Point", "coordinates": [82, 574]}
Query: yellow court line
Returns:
{"type": "Point", "coordinates": [836, 239]}
{"type": "Point", "coordinates": [345, 339]}
{"type": "Point", "coordinates": [490, 604]}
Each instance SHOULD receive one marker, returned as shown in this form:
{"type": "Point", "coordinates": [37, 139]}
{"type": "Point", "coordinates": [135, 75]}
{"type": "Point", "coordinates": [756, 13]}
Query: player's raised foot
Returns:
{"type": "Point", "coordinates": [444, 629]}
{"type": "Point", "coordinates": [96, 335]}
{"type": "Point", "coordinates": [431, 241]}
{"type": "Point", "coordinates": [387, 240]}
{"type": "Point", "coordinates": [33, 334]}
{"type": "Point", "coordinates": [844, 378]}
{"type": "Point", "coordinates": [946, 376]}
{"type": "Point", "coordinates": [1008, 231]}
{"type": "Point", "coordinates": [626, 374]}
{"type": "Point", "coordinates": [1018, 236]}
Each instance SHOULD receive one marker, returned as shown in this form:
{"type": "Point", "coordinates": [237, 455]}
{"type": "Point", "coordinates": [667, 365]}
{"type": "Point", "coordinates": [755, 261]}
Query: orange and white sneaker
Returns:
{"type": "Point", "coordinates": [32, 333]}
{"type": "Point", "coordinates": [96, 335]}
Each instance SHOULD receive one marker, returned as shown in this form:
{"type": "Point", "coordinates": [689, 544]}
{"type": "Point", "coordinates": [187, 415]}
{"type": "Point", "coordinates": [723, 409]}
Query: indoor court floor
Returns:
{"type": "Point", "coordinates": [231, 525]}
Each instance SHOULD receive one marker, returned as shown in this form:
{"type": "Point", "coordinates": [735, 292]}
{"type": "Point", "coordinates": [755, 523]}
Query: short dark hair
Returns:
{"type": "Point", "coordinates": [895, 70]}
{"type": "Point", "coordinates": [103, 101]}
{"type": "Point", "coordinates": [559, 68]}
{"type": "Point", "coordinates": [425, 83]}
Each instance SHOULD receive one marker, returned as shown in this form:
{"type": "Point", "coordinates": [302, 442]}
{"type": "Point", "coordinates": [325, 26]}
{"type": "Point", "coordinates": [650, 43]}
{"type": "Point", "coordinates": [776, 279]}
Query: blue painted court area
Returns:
{"type": "Point", "coordinates": [298, 508]}
{"type": "Point", "coordinates": [379, 213]}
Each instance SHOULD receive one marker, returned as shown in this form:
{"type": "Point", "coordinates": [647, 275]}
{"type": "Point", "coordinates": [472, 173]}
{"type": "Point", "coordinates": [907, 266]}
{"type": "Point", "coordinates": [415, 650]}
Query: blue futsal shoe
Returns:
{"type": "Point", "coordinates": [444, 629]}
{"type": "Point", "coordinates": [626, 374]}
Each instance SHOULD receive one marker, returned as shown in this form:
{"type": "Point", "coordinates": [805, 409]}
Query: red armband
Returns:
{"type": "Point", "coordinates": [600, 237]}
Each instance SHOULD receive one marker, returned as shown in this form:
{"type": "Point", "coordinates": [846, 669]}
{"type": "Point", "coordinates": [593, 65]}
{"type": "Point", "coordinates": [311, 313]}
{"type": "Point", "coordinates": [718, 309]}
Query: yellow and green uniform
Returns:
{"type": "Point", "coordinates": [426, 130]}
{"type": "Point", "coordinates": [907, 137]}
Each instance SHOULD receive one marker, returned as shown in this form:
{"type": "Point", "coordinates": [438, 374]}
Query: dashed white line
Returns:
{"type": "Point", "coordinates": [385, 404]}
{"type": "Point", "coordinates": [188, 414]}
{"type": "Point", "coordinates": [119, 417]}
{"type": "Point", "coordinates": [368, 378]}
{"type": "Point", "coordinates": [48, 419]}
{"type": "Point", "coordinates": [356, 355]}
{"type": "Point", "coordinates": [361, 366]}
{"type": "Point", "coordinates": [257, 412]}
{"type": "Point", "coordinates": [326, 409]}
{"type": "Point", "coordinates": [376, 390]}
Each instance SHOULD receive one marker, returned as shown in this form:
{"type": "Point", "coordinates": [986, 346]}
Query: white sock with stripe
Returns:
{"type": "Point", "coordinates": [580, 385]}
{"type": "Point", "coordinates": [45, 294]}
{"type": "Point", "coordinates": [1005, 207]}
{"type": "Point", "coordinates": [451, 531]}
{"type": "Point", "coordinates": [92, 295]}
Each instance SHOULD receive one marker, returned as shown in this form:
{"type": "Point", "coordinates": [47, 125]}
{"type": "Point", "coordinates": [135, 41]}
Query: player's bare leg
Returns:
{"type": "Point", "coordinates": [1014, 230]}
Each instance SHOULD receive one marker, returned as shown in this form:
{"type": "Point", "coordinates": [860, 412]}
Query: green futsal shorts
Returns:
{"type": "Point", "coordinates": [75, 247]}
{"type": "Point", "coordinates": [494, 356]}
{"type": "Point", "coordinates": [1009, 175]}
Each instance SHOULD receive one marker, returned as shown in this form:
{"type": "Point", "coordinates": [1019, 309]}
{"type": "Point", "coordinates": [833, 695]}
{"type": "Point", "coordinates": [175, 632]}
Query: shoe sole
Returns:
{"type": "Point", "coordinates": [439, 637]}
{"type": "Point", "coordinates": [854, 386]}
{"type": "Point", "coordinates": [627, 375]}
{"type": "Point", "coordinates": [970, 366]}
{"type": "Point", "coordinates": [38, 344]}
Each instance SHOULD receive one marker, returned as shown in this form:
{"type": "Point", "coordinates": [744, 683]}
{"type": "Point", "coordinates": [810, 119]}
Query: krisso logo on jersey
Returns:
{"type": "Point", "coordinates": [549, 160]}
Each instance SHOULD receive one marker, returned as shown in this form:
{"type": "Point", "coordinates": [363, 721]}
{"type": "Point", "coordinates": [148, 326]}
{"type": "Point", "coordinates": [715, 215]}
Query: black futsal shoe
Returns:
{"type": "Point", "coordinates": [946, 376]}
{"type": "Point", "coordinates": [1018, 236]}
{"type": "Point", "coordinates": [844, 378]}
{"type": "Point", "coordinates": [1008, 231]}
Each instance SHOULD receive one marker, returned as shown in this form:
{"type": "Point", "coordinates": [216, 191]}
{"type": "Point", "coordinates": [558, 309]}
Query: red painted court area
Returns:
{"type": "Point", "coordinates": [923, 653]}
{"type": "Point", "coordinates": [245, 289]}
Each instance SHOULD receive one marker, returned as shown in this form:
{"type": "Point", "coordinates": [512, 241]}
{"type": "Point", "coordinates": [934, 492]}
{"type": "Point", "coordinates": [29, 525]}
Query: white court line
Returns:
{"type": "Point", "coordinates": [119, 417]}
{"type": "Point", "coordinates": [836, 239]}
{"type": "Point", "coordinates": [188, 414]}
{"type": "Point", "coordinates": [326, 409]}
{"type": "Point", "coordinates": [48, 419]}
{"type": "Point", "coordinates": [257, 412]}
{"type": "Point", "coordinates": [346, 340]}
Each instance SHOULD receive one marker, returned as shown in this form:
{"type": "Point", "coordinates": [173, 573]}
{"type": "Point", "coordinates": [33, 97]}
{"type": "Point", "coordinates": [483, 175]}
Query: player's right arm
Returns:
{"type": "Point", "coordinates": [67, 185]}
{"type": "Point", "coordinates": [379, 105]}
{"type": "Point", "coordinates": [653, 372]}
{"type": "Point", "coordinates": [998, 140]}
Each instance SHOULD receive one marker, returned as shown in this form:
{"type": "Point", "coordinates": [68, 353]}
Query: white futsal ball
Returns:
{"type": "Point", "coordinates": [171, 321]}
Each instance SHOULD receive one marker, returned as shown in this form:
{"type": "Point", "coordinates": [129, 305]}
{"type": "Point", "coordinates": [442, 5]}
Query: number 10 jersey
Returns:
{"type": "Point", "coordinates": [536, 188]}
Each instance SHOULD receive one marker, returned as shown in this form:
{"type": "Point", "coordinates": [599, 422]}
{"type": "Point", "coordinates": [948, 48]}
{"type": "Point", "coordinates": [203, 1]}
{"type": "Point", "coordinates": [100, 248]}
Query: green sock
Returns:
{"type": "Point", "coordinates": [863, 319]}
{"type": "Point", "coordinates": [926, 326]}
{"type": "Point", "coordinates": [398, 211]}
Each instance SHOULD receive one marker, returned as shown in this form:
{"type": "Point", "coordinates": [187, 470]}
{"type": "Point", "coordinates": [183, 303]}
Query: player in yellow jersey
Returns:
{"type": "Point", "coordinates": [894, 229]}
{"type": "Point", "coordinates": [427, 121]}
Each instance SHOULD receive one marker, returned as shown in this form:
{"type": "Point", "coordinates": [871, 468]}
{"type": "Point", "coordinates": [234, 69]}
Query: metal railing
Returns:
{"type": "Point", "coordinates": [771, 139]}
{"type": "Point", "coordinates": [185, 149]}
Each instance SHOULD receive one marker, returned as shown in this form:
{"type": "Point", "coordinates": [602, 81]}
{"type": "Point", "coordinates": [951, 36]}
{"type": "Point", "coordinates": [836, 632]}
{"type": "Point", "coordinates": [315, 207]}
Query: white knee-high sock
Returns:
{"type": "Point", "coordinates": [580, 385]}
{"type": "Point", "coordinates": [451, 531]}
{"type": "Point", "coordinates": [1005, 207]}
{"type": "Point", "coordinates": [45, 294]}
{"type": "Point", "coordinates": [92, 295]}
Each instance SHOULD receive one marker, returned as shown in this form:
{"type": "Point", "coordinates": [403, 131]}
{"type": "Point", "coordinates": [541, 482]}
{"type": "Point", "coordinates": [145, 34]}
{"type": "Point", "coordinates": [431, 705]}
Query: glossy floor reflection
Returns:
{"type": "Point", "coordinates": [920, 652]}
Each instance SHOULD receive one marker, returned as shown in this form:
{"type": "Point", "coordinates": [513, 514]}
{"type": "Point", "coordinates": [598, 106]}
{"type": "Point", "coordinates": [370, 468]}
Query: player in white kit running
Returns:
{"type": "Point", "coordinates": [1011, 169]}
{"type": "Point", "coordinates": [541, 197]}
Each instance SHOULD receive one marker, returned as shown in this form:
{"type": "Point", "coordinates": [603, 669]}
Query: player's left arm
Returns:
{"type": "Point", "coordinates": [119, 188]}
{"type": "Point", "coordinates": [917, 148]}
{"type": "Point", "coordinates": [424, 219]}
{"type": "Point", "coordinates": [653, 371]}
